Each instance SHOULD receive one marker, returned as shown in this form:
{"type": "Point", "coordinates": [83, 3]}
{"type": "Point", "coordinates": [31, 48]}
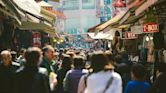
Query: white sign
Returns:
{"type": "Point", "coordinates": [137, 29]}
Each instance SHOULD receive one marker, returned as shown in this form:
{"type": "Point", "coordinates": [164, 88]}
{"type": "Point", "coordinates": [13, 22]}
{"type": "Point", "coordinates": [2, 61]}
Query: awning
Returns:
{"type": "Point", "coordinates": [9, 9]}
{"type": "Point", "coordinates": [135, 3]}
{"type": "Point", "coordinates": [145, 6]}
{"type": "Point", "coordinates": [55, 0]}
{"type": "Point", "coordinates": [48, 14]}
{"type": "Point", "coordinates": [130, 17]}
{"type": "Point", "coordinates": [1, 3]}
{"type": "Point", "coordinates": [103, 35]}
{"type": "Point", "coordinates": [45, 4]}
{"type": "Point", "coordinates": [92, 29]}
{"type": "Point", "coordinates": [111, 21]}
{"type": "Point", "coordinates": [61, 15]}
{"type": "Point", "coordinates": [36, 26]}
{"type": "Point", "coordinates": [29, 6]}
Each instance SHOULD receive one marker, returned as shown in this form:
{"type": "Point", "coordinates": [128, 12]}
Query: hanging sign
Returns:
{"type": "Point", "coordinates": [128, 35]}
{"type": "Point", "coordinates": [137, 29]}
{"type": "Point", "coordinates": [150, 27]}
{"type": "Point", "coordinates": [36, 39]}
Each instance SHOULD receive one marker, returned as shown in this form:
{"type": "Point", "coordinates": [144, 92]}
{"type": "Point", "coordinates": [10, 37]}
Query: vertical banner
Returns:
{"type": "Point", "coordinates": [97, 8]}
{"type": "Point", "coordinates": [105, 10]}
{"type": "Point", "coordinates": [36, 39]}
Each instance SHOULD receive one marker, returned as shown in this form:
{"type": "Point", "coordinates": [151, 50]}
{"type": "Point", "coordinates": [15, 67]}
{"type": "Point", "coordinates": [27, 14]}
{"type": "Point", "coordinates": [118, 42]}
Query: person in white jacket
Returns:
{"type": "Point", "coordinates": [102, 79]}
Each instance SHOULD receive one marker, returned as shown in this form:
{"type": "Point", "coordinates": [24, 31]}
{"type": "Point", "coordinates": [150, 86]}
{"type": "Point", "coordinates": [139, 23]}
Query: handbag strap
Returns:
{"type": "Point", "coordinates": [108, 84]}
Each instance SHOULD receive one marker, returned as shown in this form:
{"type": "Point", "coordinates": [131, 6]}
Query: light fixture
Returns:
{"type": "Point", "coordinates": [151, 38]}
{"type": "Point", "coordinates": [147, 38]}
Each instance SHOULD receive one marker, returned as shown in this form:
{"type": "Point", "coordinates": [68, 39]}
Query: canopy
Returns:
{"type": "Point", "coordinates": [45, 4]}
{"type": "Point", "coordinates": [50, 16]}
{"type": "Point", "coordinates": [29, 6]}
{"type": "Point", "coordinates": [36, 26]}
{"type": "Point", "coordinates": [103, 35]}
{"type": "Point", "coordinates": [111, 21]}
{"type": "Point", "coordinates": [10, 9]}
{"type": "Point", "coordinates": [55, 0]}
{"type": "Point", "coordinates": [2, 3]}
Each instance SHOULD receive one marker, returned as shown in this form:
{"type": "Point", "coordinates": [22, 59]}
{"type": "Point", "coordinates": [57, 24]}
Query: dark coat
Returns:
{"type": "Point", "coordinates": [160, 84]}
{"type": "Point", "coordinates": [7, 78]}
{"type": "Point", "coordinates": [29, 80]}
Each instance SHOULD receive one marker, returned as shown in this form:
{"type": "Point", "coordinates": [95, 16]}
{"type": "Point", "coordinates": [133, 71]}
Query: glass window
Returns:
{"type": "Point", "coordinates": [71, 5]}
{"type": "Point", "coordinates": [88, 4]}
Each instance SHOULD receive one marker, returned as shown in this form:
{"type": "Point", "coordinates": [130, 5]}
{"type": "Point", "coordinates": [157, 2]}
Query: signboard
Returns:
{"type": "Point", "coordinates": [128, 35]}
{"type": "Point", "coordinates": [150, 28]}
{"type": "Point", "coordinates": [36, 39]}
{"type": "Point", "coordinates": [137, 29]}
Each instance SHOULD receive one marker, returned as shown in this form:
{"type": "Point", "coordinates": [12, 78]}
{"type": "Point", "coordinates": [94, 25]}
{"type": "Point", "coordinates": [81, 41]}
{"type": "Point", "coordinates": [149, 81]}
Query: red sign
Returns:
{"type": "Point", "coordinates": [150, 28]}
{"type": "Point", "coordinates": [128, 35]}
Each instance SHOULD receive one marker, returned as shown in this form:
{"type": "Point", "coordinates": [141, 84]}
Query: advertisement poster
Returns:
{"type": "Point", "coordinates": [105, 10]}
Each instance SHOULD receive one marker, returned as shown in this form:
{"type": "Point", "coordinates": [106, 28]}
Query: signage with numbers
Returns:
{"type": "Point", "coordinates": [150, 28]}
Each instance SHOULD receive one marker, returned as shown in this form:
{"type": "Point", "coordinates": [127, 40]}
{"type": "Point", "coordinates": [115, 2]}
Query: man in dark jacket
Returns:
{"type": "Point", "coordinates": [48, 61]}
{"type": "Point", "coordinates": [28, 79]}
{"type": "Point", "coordinates": [159, 85]}
{"type": "Point", "coordinates": [7, 71]}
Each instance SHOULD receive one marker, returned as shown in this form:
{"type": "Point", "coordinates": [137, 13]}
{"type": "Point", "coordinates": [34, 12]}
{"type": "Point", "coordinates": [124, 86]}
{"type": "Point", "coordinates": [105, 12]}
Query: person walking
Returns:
{"type": "Point", "coordinates": [102, 79]}
{"type": "Point", "coordinates": [28, 79]}
{"type": "Point", "coordinates": [138, 83]}
{"type": "Point", "coordinates": [73, 76]}
{"type": "Point", "coordinates": [7, 70]}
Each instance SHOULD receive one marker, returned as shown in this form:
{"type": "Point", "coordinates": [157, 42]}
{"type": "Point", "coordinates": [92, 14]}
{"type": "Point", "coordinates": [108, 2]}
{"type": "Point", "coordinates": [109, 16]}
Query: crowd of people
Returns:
{"type": "Point", "coordinates": [49, 70]}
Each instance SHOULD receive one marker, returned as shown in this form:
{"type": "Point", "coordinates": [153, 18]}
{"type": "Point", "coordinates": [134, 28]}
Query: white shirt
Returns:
{"type": "Point", "coordinates": [96, 83]}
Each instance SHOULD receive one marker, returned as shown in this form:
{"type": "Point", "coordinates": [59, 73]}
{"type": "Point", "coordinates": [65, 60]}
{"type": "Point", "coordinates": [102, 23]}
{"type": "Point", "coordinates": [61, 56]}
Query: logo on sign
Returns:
{"type": "Point", "coordinates": [150, 28]}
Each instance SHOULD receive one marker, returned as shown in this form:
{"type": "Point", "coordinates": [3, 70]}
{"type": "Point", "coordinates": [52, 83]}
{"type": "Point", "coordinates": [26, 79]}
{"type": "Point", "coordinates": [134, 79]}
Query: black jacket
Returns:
{"type": "Point", "coordinates": [159, 85]}
{"type": "Point", "coordinates": [29, 80]}
{"type": "Point", "coordinates": [7, 78]}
